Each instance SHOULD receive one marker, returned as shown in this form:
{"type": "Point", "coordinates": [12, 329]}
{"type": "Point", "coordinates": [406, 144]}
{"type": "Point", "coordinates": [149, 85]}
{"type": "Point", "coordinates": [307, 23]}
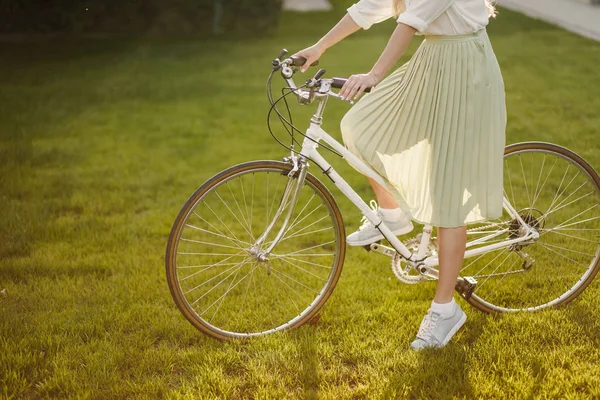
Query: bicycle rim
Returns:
{"type": "Point", "coordinates": [220, 285]}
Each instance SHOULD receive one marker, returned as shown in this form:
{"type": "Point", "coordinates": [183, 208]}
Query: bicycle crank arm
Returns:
{"type": "Point", "coordinates": [465, 286]}
{"type": "Point", "coordinates": [381, 249]}
{"type": "Point", "coordinates": [421, 268]}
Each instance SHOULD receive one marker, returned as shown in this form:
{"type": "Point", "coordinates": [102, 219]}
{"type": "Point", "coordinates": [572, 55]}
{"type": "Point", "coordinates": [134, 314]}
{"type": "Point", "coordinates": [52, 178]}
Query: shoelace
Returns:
{"type": "Point", "coordinates": [428, 325]}
{"type": "Point", "coordinates": [364, 221]}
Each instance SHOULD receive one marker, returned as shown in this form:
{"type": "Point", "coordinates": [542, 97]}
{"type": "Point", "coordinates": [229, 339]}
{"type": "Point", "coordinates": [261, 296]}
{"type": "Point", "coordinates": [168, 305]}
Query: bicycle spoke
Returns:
{"type": "Point", "coordinates": [302, 269]}
{"type": "Point", "coordinates": [561, 205]}
{"type": "Point", "coordinates": [559, 186]}
{"type": "Point", "coordinates": [510, 183]}
{"type": "Point", "coordinates": [250, 282]}
{"type": "Point", "coordinates": [249, 228]}
{"type": "Point", "coordinates": [494, 271]}
{"type": "Point", "coordinates": [209, 254]}
{"type": "Point", "coordinates": [504, 275]}
{"type": "Point", "coordinates": [215, 234]}
{"type": "Point", "coordinates": [535, 192]}
{"type": "Point", "coordinates": [229, 289]}
{"type": "Point", "coordinates": [564, 224]}
{"type": "Point", "coordinates": [273, 269]}
{"type": "Point", "coordinates": [204, 265]}
{"type": "Point", "coordinates": [234, 240]}
{"type": "Point", "coordinates": [222, 223]}
{"type": "Point", "coordinates": [222, 297]}
{"type": "Point", "coordinates": [525, 180]}
{"type": "Point", "coordinates": [572, 236]}
{"type": "Point", "coordinates": [310, 248]}
{"type": "Point", "coordinates": [295, 233]}
{"type": "Point", "coordinates": [211, 244]}
{"type": "Point", "coordinates": [301, 211]}
{"type": "Point", "coordinates": [308, 233]}
{"type": "Point", "coordinates": [207, 267]}
{"type": "Point", "coordinates": [245, 203]}
{"type": "Point", "coordinates": [548, 176]}
{"type": "Point", "coordinates": [560, 254]}
{"type": "Point", "coordinates": [567, 249]}
{"type": "Point", "coordinates": [274, 256]}
{"type": "Point", "coordinates": [292, 290]}
{"type": "Point", "coordinates": [306, 216]}
{"type": "Point", "coordinates": [307, 262]}
{"type": "Point", "coordinates": [214, 277]}
{"type": "Point", "coordinates": [232, 213]}
{"type": "Point", "coordinates": [491, 261]}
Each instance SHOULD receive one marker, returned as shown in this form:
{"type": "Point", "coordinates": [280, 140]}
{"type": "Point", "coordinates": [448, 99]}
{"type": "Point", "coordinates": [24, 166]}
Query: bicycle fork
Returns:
{"type": "Point", "coordinates": [286, 206]}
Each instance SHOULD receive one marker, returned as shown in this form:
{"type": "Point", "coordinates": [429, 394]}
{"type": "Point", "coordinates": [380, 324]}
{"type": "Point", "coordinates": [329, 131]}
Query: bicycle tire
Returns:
{"type": "Point", "coordinates": [220, 179]}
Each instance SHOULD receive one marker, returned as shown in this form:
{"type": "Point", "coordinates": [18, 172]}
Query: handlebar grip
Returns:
{"type": "Point", "coordinates": [282, 53]}
{"type": "Point", "coordinates": [339, 82]}
{"type": "Point", "coordinates": [319, 74]}
{"type": "Point", "coordinates": [299, 61]}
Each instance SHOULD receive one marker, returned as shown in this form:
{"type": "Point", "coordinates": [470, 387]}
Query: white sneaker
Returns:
{"type": "Point", "coordinates": [436, 331]}
{"type": "Point", "coordinates": [368, 233]}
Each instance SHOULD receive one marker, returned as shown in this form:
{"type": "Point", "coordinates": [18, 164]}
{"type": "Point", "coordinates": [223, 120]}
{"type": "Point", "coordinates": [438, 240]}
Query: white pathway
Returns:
{"type": "Point", "coordinates": [306, 5]}
{"type": "Point", "coordinates": [574, 16]}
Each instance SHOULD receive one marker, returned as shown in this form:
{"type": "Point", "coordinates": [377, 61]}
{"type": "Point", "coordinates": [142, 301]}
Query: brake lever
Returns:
{"type": "Point", "coordinates": [340, 97]}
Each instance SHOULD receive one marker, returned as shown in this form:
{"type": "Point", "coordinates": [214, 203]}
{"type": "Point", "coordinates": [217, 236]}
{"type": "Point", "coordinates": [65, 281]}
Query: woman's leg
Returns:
{"type": "Point", "coordinates": [452, 243]}
{"type": "Point", "coordinates": [445, 316]}
{"type": "Point", "coordinates": [384, 198]}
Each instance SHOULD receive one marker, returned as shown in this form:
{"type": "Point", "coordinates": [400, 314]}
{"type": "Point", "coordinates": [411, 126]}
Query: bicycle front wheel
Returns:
{"type": "Point", "coordinates": [216, 276]}
{"type": "Point", "coordinates": [556, 193]}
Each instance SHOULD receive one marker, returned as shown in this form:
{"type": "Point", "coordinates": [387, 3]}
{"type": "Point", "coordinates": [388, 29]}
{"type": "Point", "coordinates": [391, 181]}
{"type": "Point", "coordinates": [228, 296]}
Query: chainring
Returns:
{"type": "Point", "coordinates": [404, 271]}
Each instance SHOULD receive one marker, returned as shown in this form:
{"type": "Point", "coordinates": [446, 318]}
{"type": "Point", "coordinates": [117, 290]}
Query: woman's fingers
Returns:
{"type": "Point", "coordinates": [309, 60]}
{"type": "Point", "coordinates": [355, 86]}
{"type": "Point", "coordinates": [348, 87]}
{"type": "Point", "coordinates": [361, 89]}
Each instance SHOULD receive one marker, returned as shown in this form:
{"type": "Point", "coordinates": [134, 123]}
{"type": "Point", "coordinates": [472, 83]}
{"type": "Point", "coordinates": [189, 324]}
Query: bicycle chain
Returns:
{"type": "Point", "coordinates": [499, 274]}
{"type": "Point", "coordinates": [481, 228]}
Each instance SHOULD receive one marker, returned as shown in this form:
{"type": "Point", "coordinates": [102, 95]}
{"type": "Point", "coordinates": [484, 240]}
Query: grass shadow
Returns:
{"type": "Point", "coordinates": [305, 339]}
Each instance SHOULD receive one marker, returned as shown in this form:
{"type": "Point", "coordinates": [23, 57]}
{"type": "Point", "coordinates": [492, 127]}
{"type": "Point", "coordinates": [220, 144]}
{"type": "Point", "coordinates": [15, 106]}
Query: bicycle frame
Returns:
{"type": "Point", "coordinates": [419, 259]}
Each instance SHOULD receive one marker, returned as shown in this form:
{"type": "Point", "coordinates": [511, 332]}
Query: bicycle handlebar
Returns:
{"type": "Point", "coordinates": [322, 85]}
{"type": "Point", "coordinates": [338, 83]}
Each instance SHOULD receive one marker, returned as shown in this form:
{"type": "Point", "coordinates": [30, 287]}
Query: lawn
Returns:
{"type": "Point", "coordinates": [103, 140]}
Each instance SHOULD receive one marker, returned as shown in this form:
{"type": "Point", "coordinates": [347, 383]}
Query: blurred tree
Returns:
{"type": "Point", "coordinates": [140, 16]}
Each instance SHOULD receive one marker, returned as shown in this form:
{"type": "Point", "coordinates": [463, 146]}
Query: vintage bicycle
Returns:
{"type": "Point", "coordinates": [259, 247]}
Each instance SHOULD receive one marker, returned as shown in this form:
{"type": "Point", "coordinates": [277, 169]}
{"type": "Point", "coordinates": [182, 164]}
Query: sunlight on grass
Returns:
{"type": "Point", "coordinates": [101, 143]}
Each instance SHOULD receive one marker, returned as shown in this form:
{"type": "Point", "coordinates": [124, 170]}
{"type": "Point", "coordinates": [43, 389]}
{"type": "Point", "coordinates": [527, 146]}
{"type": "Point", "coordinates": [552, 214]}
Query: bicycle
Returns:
{"type": "Point", "coordinates": [235, 272]}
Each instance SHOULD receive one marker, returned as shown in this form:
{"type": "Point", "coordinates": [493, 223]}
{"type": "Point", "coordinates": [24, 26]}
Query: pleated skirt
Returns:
{"type": "Point", "coordinates": [434, 129]}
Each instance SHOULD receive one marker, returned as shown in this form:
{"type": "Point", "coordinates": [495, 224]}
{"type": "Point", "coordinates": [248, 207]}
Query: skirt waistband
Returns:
{"type": "Point", "coordinates": [456, 38]}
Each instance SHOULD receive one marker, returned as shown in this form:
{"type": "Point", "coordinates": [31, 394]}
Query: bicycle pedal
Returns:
{"type": "Point", "coordinates": [465, 286]}
{"type": "Point", "coordinates": [367, 247]}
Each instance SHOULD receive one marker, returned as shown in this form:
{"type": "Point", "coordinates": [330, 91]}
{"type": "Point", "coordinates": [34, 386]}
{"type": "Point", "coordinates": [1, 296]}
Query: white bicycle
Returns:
{"type": "Point", "coordinates": [259, 247]}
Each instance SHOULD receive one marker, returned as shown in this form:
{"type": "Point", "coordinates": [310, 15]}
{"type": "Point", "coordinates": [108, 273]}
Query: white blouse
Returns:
{"type": "Point", "coordinates": [430, 17]}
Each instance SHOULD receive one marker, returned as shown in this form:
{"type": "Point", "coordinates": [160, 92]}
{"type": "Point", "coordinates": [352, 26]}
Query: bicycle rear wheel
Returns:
{"type": "Point", "coordinates": [558, 194]}
{"type": "Point", "coordinates": [216, 277]}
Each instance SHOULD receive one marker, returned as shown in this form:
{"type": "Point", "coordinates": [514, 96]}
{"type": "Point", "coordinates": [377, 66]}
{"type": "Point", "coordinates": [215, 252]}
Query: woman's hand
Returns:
{"type": "Point", "coordinates": [356, 84]}
{"type": "Point", "coordinates": [312, 54]}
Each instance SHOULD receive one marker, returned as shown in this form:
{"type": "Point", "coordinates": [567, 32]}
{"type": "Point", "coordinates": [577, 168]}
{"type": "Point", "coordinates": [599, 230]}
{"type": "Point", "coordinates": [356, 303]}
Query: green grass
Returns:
{"type": "Point", "coordinates": [101, 142]}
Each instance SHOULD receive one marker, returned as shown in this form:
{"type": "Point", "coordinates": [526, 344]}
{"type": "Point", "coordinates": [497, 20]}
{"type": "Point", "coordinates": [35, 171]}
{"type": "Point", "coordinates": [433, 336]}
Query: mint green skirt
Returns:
{"type": "Point", "coordinates": [434, 129]}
